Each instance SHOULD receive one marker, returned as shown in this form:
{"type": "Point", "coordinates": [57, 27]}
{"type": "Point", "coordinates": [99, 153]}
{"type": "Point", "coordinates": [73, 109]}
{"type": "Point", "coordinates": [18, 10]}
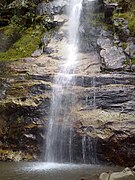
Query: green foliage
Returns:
{"type": "Point", "coordinates": [112, 1]}
{"type": "Point", "coordinates": [128, 13]}
{"type": "Point", "coordinates": [20, 119]}
{"type": "Point", "coordinates": [97, 19]}
{"type": "Point", "coordinates": [130, 62]}
{"type": "Point", "coordinates": [24, 46]}
{"type": "Point", "coordinates": [24, 29]}
{"type": "Point", "coordinates": [131, 20]}
{"type": "Point", "coordinates": [14, 28]}
{"type": "Point", "coordinates": [131, 26]}
{"type": "Point", "coordinates": [124, 45]}
{"type": "Point", "coordinates": [133, 61]}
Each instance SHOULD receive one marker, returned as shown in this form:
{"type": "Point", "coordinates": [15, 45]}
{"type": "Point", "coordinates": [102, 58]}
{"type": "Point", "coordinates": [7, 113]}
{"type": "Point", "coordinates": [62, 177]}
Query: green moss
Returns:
{"type": "Point", "coordinates": [129, 62]}
{"type": "Point", "coordinates": [124, 45]}
{"type": "Point", "coordinates": [133, 61]}
{"type": "Point", "coordinates": [131, 20]}
{"type": "Point", "coordinates": [20, 120]}
{"type": "Point", "coordinates": [131, 26]}
{"type": "Point", "coordinates": [128, 14]}
{"type": "Point", "coordinates": [112, 1]}
{"type": "Point", "coordinates": [24, 46]}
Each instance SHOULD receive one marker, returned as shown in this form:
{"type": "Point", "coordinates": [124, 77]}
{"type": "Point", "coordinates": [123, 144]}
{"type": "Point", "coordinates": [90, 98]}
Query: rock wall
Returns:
{"type": "Point", "coordinates": [104, 110]}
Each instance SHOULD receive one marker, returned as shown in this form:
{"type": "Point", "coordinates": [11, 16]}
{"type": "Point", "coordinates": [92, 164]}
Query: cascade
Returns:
{"type": "Point", "coordinates": [60, 131]}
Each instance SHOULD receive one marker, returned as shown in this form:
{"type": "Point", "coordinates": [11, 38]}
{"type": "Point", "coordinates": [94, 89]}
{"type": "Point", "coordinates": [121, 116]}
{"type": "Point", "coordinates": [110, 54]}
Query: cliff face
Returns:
{"type": "Point", "coordinates": [104, 111]}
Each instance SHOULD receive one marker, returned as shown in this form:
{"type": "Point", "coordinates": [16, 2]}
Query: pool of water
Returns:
{"type": "Point", "coordinates": [51, 171]}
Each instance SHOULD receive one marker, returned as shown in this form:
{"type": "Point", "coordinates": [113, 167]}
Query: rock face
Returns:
{"type": "Point", "coordinates": [121, 27]}
{"type": "Point", "coordinates": [104, 110]}
{"type": "Point", "coordinates": [113, 57]}
{"type": "Point", "coordinates": [109, 8]}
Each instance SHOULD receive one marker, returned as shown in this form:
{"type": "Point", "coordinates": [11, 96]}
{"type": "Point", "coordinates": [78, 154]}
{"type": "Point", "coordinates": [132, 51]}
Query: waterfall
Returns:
{"type": "Point", "coordinates": [59, 134]}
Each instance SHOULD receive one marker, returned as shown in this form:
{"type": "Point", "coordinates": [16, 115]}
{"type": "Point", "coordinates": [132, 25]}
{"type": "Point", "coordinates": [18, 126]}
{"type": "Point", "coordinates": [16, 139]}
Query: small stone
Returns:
{"type": "Point", "coordinates": [17, 158]}
{"type": "Point", "coordinates": [104, 176]}
{"type": "Point", "coordinates": [37, 53]}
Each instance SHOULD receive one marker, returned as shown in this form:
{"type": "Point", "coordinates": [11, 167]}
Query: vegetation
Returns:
{"type": "Point", "coordinates": [28, 42]}
{"type": "Point", "coordinates": [128, 13]}
{"type": "Point", "coordinates": [23, 30]}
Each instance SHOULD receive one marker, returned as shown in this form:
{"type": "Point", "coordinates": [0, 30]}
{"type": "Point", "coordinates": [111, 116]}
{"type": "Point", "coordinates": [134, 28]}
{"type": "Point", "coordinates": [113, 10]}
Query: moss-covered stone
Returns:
{"type": "Point", "coordinates": [131, 20]}
{"type": "Point", "coordinates": [10, 155]}
{"type": "Point", "coordinates": [29, 41]}
{"type": "Point", "coordinates": [127, 13]}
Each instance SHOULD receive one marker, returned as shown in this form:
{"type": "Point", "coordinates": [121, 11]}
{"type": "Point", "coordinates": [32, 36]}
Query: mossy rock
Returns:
{"type": "Point", "coordinates": [130, 18]}
{"type": "Point", "coordinates": [29, 41]}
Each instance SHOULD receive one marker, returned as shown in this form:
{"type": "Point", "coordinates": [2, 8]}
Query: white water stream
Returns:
{"type": "Point", "coordinates": [59, 135]}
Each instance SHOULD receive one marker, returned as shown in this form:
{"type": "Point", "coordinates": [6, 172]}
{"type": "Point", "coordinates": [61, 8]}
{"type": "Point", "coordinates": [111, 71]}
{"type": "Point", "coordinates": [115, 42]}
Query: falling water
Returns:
{"type": "Point", "coordinates": [59, 135]}
{"type": "Point", "coordinates": [84, 149]}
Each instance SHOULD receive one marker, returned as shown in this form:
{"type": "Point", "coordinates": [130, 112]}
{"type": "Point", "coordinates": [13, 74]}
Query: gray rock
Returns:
{"type": "Point", "coordinates": [104, 176]}
{"type": "Point", "coordinates": [37, 53]}
{"type": "Point", "coordinates": [126, 174]}
{"type": "Point", "coordinates": [51, 8]}
{"type": "Point", "coordinates": [123, 175]}
{"type": "Point", "coordinates": [31, 136]}
{"type": "Point", "coordinates": [106, 33]}
{"type": "Point", "coordinates": [113, 57]}
{"type": "Point", "coordinates": [104, 43]}
{"type": "Point", "coordinates": [60, 18]}
{"type": "Point", "coordinates": [121, 27]}
{"type": "Point", "coordinates": [130, 50]}
{"type": "Point", "coordinates": [48, 50]}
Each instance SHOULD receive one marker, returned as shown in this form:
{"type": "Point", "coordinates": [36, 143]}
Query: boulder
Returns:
{"type": "Point", "coordinates": [112, 56]}
{"type": "Point", "coordinates": [126, 174]}
{"type": "Point", "coordinates": [37, 53]}
{"type": "Point", "coordinates": [104, 43]}
{"type": "Point", "coordinates": [123, 175]}
{"type": "Point", "coordinates": [104, 176]}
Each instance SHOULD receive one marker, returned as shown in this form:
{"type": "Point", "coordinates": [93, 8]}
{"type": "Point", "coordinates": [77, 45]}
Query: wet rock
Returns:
{"type": "Point", "coordinates": [60, 19]}
{"type": "Point", "coordinates": [121, 176]}
{"type": "Point", "coordinates": [37, 53]}
{"type": "Point", "coordinates": [48, 50]}
{"type": "Point", "coordinates": [103, 114]}
{"type": "Point", "coordinates": [104, 176]}
{"type": "Point", "coordinates": [17, 158]}
{"type": "Point", "coordinates": [127, 173]}
{"type": "Point", "coordinates": [57, 20]}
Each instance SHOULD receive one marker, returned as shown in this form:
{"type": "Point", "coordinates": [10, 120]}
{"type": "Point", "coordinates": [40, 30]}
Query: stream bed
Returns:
{"type": "Point", "coordinates": [51, 171]}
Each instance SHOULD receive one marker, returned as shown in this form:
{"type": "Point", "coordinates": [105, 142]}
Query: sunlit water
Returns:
{"type": "Point", "coordinates": [51, 171]}
{"type": "Point", "coordinates": [59, 135]}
